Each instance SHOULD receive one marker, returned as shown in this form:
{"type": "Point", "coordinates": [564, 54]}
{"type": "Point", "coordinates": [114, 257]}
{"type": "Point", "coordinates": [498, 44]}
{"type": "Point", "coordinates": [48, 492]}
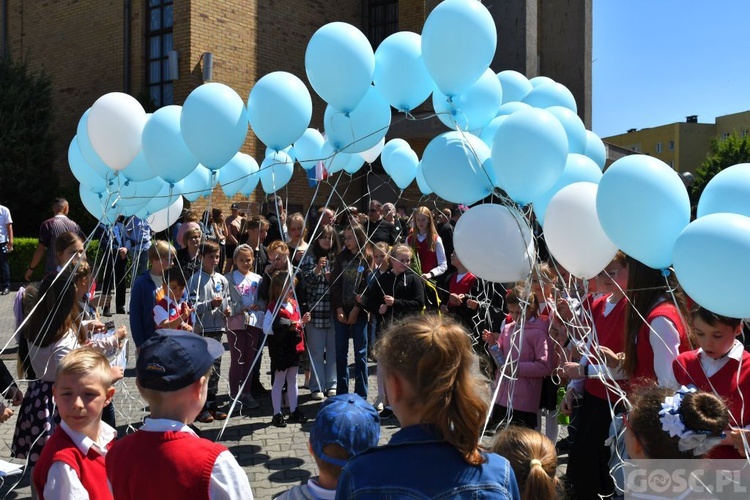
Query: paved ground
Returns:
{"type": "Point", "coordinates": [275, 459]}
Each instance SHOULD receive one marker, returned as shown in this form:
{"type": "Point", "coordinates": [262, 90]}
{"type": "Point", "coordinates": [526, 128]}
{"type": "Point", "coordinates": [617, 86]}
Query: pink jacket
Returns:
{"type": "Point", "coordinates": [533, 364]}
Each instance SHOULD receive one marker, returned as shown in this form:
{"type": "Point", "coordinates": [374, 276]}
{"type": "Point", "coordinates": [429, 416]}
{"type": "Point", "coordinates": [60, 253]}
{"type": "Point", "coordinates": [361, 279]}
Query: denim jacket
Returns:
{"type": "Point", "coordinates": [417, 464]}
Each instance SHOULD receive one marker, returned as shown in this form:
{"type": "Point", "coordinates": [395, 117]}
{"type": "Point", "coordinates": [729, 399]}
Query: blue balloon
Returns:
{"type": "Point", "coordinates": [474, 108]}
{"type": "Point", "coordinates": [511, 107]}
{"type": "Point", "coordinates": [251, 184]}
{"type": "Point", "coordinates": [455, 166]}
{"type": "Point", "coordinates": [334, 160]}
{"type": "Point", "coordinates": [515, 85]}
{"type": "Point", "coordinates": [339, 63]}
{"type": "Point", "coordinates": [276, 171]}
{"type": "Point", "coordinates": [355, 163]}
{"type": "Point", "coordinates": [389, 148]}
{"type": "Point", "coordinates": [540, 80]}
{"type": "Point", "coordinates": [403, 166]}
{"type": "Point", "coordinates": [214, 124]}
{"type": "Point", "coordinates": [102, 206]}
{"type": "Point", "coordinates": [578, 168]}
{"type": "Point", "coordinates": [87, 150]}
{"type": "Point", "coordinates": [400, 74]}
{"type": "Point", "coordinates": [307, 148]}
{"type": "Point", "coordinates": [82, 171]}
{"type": "Point", "coordinates": [595, 149]}
{"type": "Point", "coordinates": [138, 169]}
{"type": "Point", "coordinates": [574, 128]}
{"type": "Point", "coordinates": [362, 128]}
{"type": "Point", "coordinates": [164, 147]}
{"type": "Point", "coordinates": [551, 94]}
{"type": "Point", "coordinates": [168, 194]}
{"type": "Point", "coordinates": [488, 133]}
{"type": "Point", "coordinates": [424, 188]}
{"type": "Point", "coordinates": [708, 254]}
{"type": "Point", "coordinates": [133, 193]}
{"type": "Point", "coordinates": [727, 192]}
{"type": "Point", "coordinates": [235, 174]}
{"type": "Point", "coordinates": [279, 109]}
{"type": "Point", "coordinates": [643, 206]}
{"type": "Point", "coordinates": [197, 183]}
{"type": "Point", "coordinates": [529, 153]}
{"type": "Point", "coordinates": [459, 39]}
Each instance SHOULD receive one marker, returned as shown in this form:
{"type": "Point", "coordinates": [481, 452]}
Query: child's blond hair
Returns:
{"type": "Point", "coordinates": [83, 361]}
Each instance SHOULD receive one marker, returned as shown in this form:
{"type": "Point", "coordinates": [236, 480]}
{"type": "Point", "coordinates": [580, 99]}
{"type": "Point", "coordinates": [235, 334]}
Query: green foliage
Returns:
{"type": "Point", "coordinates": [28, 182]}
{"type": "Point", "coordinates": [23, 250]}
{"type": "Point", "coordinates": [722, 154]}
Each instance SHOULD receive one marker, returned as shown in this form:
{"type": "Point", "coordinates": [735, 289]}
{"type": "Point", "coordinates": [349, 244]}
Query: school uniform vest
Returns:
{"type": "Point", "coordinates": [644, 371]}
{"type": "Point", "coordinates": [610, 331]}
{"type": "Point", "coordinates": [462, 286]}
{"type": "Point", "coordinates": [89, 468]}
{"type": "Point", "coordinates": [731, 383]}
{"type": "Point", "coordinates": [172, 310]}
{"type": "Point", "coordinates": [162, 466]}
{"type": "Point", "coordinates": [427, 257]}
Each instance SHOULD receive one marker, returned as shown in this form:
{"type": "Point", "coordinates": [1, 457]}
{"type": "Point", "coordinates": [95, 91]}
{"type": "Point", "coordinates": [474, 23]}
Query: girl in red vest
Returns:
{"type": "Point", "coordinates": [427, 244]}
{"type": "Point", "coordinates": [283, 324]}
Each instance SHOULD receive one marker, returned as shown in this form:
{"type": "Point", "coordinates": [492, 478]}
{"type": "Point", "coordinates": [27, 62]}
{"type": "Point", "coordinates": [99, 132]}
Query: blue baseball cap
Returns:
{"type": "Point", "coordinates": [348, 421]}
{"type": "Point", "coordinates": [173, 359]}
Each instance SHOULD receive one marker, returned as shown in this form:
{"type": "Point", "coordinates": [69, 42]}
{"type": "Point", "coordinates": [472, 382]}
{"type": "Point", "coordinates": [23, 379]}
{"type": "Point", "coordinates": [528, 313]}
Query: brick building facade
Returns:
{"type": "Point", "coordinates": [92, 47]}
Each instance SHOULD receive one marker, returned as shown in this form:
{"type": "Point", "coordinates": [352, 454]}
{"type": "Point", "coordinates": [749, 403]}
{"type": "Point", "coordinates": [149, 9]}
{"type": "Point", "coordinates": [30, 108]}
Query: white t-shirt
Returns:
{"type": "Point", "coordinates": [5, 219]}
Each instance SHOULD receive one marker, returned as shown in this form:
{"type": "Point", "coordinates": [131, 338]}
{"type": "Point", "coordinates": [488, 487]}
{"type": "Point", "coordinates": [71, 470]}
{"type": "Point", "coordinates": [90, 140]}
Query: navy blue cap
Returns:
{"type": "Point", "coordinates": [348, 421]}
{"type": "Point", "coordinates": [173, 359]}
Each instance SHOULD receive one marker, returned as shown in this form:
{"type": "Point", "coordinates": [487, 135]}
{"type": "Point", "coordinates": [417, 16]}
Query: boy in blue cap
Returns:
{"type": "Point", "coordinates": [172, 372]}
{"type": "Point", "coordinates": [346, 426]}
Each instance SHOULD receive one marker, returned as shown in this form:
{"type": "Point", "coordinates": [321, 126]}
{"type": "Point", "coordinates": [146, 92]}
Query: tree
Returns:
{"type": "Point", "coordinates": [723, 153]}
{"type": "Point", "coordinates": [27, 179]}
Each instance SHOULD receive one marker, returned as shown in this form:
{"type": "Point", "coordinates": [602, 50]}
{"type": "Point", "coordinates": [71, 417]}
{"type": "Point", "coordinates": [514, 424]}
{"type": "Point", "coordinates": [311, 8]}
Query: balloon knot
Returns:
{"type": "Point", "coordinates": [665, 272]}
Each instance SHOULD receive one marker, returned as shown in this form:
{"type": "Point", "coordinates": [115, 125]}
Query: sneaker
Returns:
{"type": "Point", "coordinates": [5, 291]}
{"type": "Point", "coordinates": [331, 393]}
{"type": "Point", "coordinates": [205, 417]}
{"type": "Point", "coordinates": [248, 401]}
{"type": "Point", "coordinates": [386, 414]}
{"type": "Point", "coordinates": [218, 414]}
{"type": "Point", "coordinates": [317, 396]}
{"type": "Point", "coordinates": [278, 420]}
{"type": "Point", "coordinates": [297, 417]}
{"type": "Point", "coordinates": [107, 312]}
{"type": "Point", "coordinates": [378, 404]}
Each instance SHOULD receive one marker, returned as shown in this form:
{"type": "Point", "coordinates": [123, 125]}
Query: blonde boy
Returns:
{"type": "Point", "coordinates": [165, 458]}
{"type": "Point", "coordinates": [72, 462]}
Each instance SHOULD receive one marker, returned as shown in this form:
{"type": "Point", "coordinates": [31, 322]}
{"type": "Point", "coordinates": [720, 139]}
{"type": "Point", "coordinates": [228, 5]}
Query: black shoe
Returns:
{"type": "Point", "coordinates": [278, 420]}
{"type": "Point", "coordinates": [106, 312]}
{"type": "Point", "coordinates": [121, 310]}
{"type": "Point", "coordinates": [5, 291]}
{"type": "Point", "coordinates": [205, 417]}
{"type": "Point", "coordinates": [564, 446]}
{"type": "Point", "coordinates": [386, 414]}
{"type": "Point", "coordinates": [297, 417]}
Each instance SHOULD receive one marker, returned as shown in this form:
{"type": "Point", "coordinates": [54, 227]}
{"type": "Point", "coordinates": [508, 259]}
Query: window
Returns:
{"type": "Point", "coordinates": [381, 20]}
{"type": "Point", "coordinates": [671, 145]}
{"type": "Point", "coordinates": [725, 136]}
{"type": "Point", "coordinates": [658, 147]}
{"type": "Point", "coordinates": [158, 45]}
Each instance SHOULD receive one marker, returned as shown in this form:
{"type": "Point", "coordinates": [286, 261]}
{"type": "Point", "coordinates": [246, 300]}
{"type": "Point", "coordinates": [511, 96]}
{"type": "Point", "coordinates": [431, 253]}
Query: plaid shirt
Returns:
{"type": "Point", "coordinates": [318, 296]}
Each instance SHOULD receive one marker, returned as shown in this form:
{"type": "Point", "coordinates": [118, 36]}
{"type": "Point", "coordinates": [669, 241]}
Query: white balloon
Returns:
{"type": "Point", "coordinates": [573, 233]}
{"type": "Point", "coordinates": [495, 243]}
{"type": "Point", "coordinates": [114, 127]}
{"type": "Point", "coordinates": [161, 220]}
{"type": "Point", "coordinates": [372, 154]}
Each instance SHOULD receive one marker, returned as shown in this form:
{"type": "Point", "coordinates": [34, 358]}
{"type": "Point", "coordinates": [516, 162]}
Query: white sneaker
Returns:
{"type": "Point", "coordinates": [331, 392]}
{"type": "Point", "coordinates": [378, 404]}
{"type": "Point", "coordinates": [317, 396]}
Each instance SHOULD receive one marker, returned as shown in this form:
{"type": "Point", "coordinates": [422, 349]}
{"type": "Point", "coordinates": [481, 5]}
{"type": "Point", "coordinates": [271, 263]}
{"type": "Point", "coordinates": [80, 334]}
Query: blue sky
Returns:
{"type": "Point", "coordinates": [657, 61]}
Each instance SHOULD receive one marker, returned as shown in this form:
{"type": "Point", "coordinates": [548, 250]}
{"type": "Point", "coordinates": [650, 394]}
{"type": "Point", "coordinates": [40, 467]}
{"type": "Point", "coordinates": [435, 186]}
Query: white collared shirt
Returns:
{"type": "Point", "coordinates": [62, 480]}
{"type": "Point", "coordinates": [228, 480]}
{"type": "Point", "coordinates": [711, 366]}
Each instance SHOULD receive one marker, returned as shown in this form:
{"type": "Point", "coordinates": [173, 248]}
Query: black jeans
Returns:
{"type": "Point", "coordinates": [4, 266]}
{"type": "Point", "coordinates": [113, 276]}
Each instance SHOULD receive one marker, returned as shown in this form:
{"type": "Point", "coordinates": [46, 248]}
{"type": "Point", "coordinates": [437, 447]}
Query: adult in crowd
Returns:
{"type": "Point", "coordinates": [255, 233]}
{"type": "Point", "coordinates": [189, 256]}
{"type": "Point", "coordinates": [189, 221]}
{"type": "Point", "coordinates": [48, 233]}
{"type": "Point", "coordinates": [389, 214]}
{"type": "Point", "coordinates": [378, 228]}
{"type": "Point", "coordinates": [219, 235]}
{"type": "Point", "coordinates": [6, 246]}
{"type": "Point", "coordinates": [138, 241]}
{"type": "Point", "coordinates": [276, 218]}
{"type": "Point", "coordinates": [326, 216]}
{"type": "Point", "coordinates": [297, 232]}
{"type": "Point", "coordinates": [114, 264]}
{"type": "Point", "coordinates": [233, 226]}
{"type": "Point", "coordinates": [456, 213]}
{"type": "Point", "coordinates": [445, 231]}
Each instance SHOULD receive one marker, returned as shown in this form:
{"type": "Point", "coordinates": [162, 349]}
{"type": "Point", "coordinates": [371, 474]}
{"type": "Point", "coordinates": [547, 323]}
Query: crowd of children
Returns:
{"type": "Point", "coordinates": [626, 351]}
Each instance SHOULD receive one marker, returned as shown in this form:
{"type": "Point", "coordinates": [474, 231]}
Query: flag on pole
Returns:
{"type": "Point", "coordinates": [316, 174]}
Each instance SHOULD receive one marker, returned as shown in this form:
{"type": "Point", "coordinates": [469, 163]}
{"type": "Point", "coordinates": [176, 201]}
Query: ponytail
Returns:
{"type": "Point", "coordinates": [534, 461]}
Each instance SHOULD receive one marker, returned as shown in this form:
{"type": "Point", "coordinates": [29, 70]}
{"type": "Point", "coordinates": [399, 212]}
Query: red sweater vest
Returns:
{"type": "Point", "coordinates": [172, 311]}
{"type": "Point", "coordinates": [462, 286]}
{"type": "Point", "coordinates": [161, 466]}
{"type": "Point", "coordinates": [89, 468]}
{"type": "Point", "coordinates": [610, 332]}
{"type": "Point", "coordinates": [644, 370]}
{"type": "Point", "coordinates": [731, 383]}
{"type": "Point", "coordinates": [427, 257]}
